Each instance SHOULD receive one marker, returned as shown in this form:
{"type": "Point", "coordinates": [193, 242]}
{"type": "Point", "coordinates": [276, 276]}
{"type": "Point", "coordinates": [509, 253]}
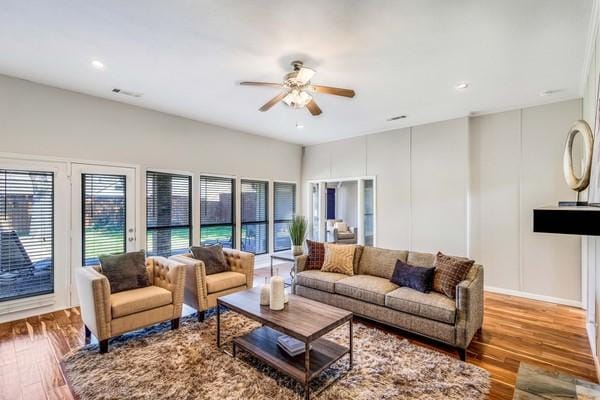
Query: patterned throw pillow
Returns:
{"type": "Point", "coordinates": [339, 258]}
{"type": "Point", "coordinates": [316, 255]}
{"type": "Point", "coordinates": [449, 272]}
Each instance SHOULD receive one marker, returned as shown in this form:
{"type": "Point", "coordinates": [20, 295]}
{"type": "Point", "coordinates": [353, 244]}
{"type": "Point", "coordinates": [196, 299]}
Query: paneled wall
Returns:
{"type": "Point", "coordinates": [467, 187]}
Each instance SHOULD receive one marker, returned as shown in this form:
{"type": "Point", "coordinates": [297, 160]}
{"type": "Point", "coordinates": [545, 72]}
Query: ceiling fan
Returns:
{"type": "Point", "coordinates": [296, 87]}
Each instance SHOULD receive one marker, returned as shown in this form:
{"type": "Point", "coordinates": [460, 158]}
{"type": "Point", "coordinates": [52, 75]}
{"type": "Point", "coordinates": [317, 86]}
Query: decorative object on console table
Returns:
{"type": "Point", "coordinates": [297, 230]}
{"type": "Point", "coordinates": [277, 295]}
{"type": "Point", "coordinates": [577, 184]}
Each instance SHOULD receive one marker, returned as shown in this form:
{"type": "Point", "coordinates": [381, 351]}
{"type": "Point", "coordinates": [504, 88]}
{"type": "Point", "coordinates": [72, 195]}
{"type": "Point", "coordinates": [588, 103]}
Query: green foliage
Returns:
{"type": "Point", "coordinates": [297, 229]}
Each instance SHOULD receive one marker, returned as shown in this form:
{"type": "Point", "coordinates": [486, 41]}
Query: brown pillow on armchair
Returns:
{"type": "Point", "coordinates": [125, 271]}
{"type": "Point", "coordinates": [213, 258]}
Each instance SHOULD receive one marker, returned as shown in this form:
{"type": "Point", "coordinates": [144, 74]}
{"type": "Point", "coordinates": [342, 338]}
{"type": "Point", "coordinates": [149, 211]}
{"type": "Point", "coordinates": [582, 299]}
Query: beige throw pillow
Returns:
{"type": "Point", "coordinates": [341, 226]}
{"type": "Point", "coordinates": [339, 258]}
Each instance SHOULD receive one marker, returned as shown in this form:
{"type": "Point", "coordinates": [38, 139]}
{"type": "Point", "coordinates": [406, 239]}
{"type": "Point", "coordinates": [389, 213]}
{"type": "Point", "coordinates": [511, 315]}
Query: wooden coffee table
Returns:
{"type": "Point", "coordinates": [303, 319]}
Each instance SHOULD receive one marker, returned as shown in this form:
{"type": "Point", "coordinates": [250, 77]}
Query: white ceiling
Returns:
{"type": "Point", "coordinates": [401, 57]}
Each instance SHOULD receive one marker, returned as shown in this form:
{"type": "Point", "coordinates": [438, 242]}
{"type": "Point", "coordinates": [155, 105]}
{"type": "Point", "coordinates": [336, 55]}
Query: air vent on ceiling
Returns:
{"type": "Point", "coordinates": [127, 92]}
{"type": "Point", "coordinates": [396, 118]}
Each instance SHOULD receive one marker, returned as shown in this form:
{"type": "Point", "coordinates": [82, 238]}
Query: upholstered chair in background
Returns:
{"type": "Point", "coordinates": [202, 290]}
{"type": "Point", "coordinates": [108, 315]}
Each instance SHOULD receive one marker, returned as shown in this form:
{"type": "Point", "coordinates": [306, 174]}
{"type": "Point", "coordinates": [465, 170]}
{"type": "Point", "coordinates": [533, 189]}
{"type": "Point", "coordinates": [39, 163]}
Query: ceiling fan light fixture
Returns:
{"type": "Point", "coordinates": [297, 98]}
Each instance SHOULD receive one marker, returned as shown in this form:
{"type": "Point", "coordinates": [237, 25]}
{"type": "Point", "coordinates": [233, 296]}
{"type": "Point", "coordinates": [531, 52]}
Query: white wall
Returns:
{"type": "Point", "coordinates": [347, 202]}
{"type": "Point", "coordinates": [468, 187]}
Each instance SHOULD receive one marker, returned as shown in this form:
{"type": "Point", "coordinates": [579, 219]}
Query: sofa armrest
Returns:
{"type": "Point", "coordinates": [243, 262]}
{"type": "Point", "coordinates": [469, 306]}
{"type": "Point", "coordinates": [301, 262]}
{"type": "Point", "coordinates": [170, 275]}
{"type": "Point", "coordinates": [93, 290]}
{"type": "Point", "coordinates": [196, 292]}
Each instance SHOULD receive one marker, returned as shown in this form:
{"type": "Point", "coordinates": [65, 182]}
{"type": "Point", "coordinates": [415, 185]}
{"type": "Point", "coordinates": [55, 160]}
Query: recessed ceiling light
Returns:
{"type": "Point", "coordinates": [299, 125]}
{"type": "Point", "coordinates": [97, 64]}
{"type": "Point", "coordinates": [461, 86]}
{"type": "Point", "coordinates": [397, 117]}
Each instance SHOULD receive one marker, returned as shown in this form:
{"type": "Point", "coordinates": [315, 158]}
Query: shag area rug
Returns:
{"type": "Point", "coordinates": [157, 363]}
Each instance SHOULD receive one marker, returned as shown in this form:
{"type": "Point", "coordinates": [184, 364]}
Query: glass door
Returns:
{"type": "Point", "coordinates": [103, 214]}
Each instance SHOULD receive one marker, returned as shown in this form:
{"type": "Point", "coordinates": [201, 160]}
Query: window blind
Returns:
{"type": "Point", "coordinates": [26, 234]}
{"type": "Point", "coordinates": [168, 213]}
{"type": "Point", "coordinates": [284, 208]}
{"type": "Point", "coordinates": [217, 211]}
{"type": "Point", "coordinates": [103, 216]}
{"type": "Point", "coordinates": [255, 222]}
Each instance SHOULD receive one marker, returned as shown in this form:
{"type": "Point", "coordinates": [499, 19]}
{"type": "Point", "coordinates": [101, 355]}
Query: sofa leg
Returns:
{"type": "Point", "coordinates": [104, 346]}
{"type": "Point", "coordinates": [175, 323]}
{"type": "Point", "coordinates": [88, 334]}
{"type": "Point", "coordinates": [462, 353]}
{"type": "Point", "coordinates": [201, 316]}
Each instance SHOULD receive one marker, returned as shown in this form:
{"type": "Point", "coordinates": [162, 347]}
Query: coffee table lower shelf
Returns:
{"type": "Point", "coordinates": [262, 343]}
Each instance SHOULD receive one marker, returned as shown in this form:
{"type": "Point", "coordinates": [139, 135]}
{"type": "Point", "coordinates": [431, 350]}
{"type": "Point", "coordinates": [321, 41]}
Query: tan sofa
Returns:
{"type": "Point", "coordinates": [370, 294]}
{"type": "Point", "coordinates": [108, 315]}
{"type": "Point", "coordinates": [201, 290]}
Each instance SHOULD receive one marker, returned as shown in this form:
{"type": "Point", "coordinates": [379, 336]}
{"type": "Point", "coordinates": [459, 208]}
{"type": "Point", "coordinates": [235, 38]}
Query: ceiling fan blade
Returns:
{"type": "Point", "coordinates": [331, 90]}
{"type": "Point", "coordinates": [305, 75]}
{"type": "Point", "coordinates": [273, 101]}
{"type": "Point", "coordinates": [313, 107]}
{"type": "Point", "coordinates": [261, 84]}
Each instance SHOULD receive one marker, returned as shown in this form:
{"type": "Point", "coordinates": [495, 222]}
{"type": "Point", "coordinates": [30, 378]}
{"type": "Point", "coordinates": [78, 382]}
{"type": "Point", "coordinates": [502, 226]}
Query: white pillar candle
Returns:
{"type": "Point", "coordinates": [277, 294]}
{"type": "Point", "coordinates": [265, 291]}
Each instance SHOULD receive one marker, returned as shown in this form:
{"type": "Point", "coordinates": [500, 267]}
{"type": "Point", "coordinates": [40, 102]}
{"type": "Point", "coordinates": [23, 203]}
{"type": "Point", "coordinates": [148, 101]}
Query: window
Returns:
{"type": "Point", "coordinates": [26, 234]}
{"type": "Point", "coordinates": [217, 211]}
{"type": "Point", "coordinates": [284, 208]}
{"type": "Point", "coordinates": [254, 216]}
{"type": "Point", "coordinates": [168, 213]}
{"type": "Point", "coordinates": [104, 217]}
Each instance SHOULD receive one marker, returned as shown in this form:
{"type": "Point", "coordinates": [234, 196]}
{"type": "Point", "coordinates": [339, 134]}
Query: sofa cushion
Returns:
{"type": "Point", "coordinates": [420, 259]}
{"type": "Point", "coordinates": [137, 300]}
{"type": "Point", "coordinates": [371, 289]}
{"type": "Point", "coordinates": [224, 280]}
{"type": "Point", "coordinates": [345, 235]}
{"type": "Point", "coordinates": [449, 272]}
{"type": "Point", "coordinates": [380, 262]}
{"type": "Point", "coordinates": [431, 305]}
{"type": "Point", "coordinates": [125, 271]}
{"type": "Point", "coordinates": [319, 280]}
{"type": "Point", "coordinates": [418, 278]}
{"type": "Point", "coordinates": [316, 254]}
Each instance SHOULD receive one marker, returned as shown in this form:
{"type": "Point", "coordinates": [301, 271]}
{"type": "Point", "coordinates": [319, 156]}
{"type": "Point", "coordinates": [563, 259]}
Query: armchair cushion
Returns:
{"type": "Point", "coordinates": [125, 271]}
{"type": "Point", "coordinates": [213, 258]}
{"type": "Point", "coordinates": [137, 300]}
{"type": "Point", "coordinates": [224, 280]}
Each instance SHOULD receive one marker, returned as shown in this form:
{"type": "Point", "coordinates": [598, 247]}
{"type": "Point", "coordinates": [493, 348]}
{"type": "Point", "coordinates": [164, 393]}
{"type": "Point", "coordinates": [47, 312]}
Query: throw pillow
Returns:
{"type": "Point", "coordinates": [418, 278]}
{"type": "Point", "coordinates": [213, 258]}
{"type": "Point", "coordinates": [341, 226]}
{"type": "Point", "coordinates": [316, 255]}
{"type": "Point", "coordinates": [125, 271]}
{"type": "Point", "coordinates": [449, 272]}
{"type": "Point", "coordinates": [339, 258]}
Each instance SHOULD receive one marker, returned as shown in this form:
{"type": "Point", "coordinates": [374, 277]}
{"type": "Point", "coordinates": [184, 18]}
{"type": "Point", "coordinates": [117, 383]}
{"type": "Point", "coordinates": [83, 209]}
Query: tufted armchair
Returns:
{"type": "Point", "coordinates": [108, 315]}
{"type": "Point", "coordinates": [201, 290]}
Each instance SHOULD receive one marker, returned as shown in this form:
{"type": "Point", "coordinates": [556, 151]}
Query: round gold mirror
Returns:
{"type": "Point", "coordinates": [578, 183]}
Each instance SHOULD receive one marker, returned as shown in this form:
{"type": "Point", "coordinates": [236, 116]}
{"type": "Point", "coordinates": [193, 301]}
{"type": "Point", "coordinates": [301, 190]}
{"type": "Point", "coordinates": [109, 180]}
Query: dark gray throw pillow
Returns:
{"type": "Point", "coordinates": [125, 271]}
{"type": "Point", "coordinates": [213, 258]}
{"type": "Point", "coordinates": [418, 278]}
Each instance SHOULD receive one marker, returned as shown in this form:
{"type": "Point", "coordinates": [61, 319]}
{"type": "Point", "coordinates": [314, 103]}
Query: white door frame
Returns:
{"type": "Point", "coordinates": [131, 194]}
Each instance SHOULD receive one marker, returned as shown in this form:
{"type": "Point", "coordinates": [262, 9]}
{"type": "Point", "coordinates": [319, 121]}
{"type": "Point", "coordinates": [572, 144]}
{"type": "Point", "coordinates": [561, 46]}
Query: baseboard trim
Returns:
{"type": "Point", "coordinates": [533, 296]}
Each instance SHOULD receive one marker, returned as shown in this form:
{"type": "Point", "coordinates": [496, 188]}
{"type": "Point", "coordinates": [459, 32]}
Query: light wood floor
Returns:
{"type": "Point", "coordinates": [515, 330]}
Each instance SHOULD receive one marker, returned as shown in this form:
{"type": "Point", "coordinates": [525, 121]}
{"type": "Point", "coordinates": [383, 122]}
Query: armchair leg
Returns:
{"type": "Point", "coordinates": [104, 346]}
{"type": "Point", "coordinates": [462, 353]}
{"type": "Point", "coordinates": [201, 315]}
{"type": "Point", "coordinates": [175, 323]}
{"type": "Point", "coordinates": [88, 334]}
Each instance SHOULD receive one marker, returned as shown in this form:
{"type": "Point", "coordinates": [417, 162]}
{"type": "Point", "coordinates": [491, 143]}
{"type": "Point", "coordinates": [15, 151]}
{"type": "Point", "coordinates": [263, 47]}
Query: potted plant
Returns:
{"type": "Point", "coordinates": [297, 231]}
